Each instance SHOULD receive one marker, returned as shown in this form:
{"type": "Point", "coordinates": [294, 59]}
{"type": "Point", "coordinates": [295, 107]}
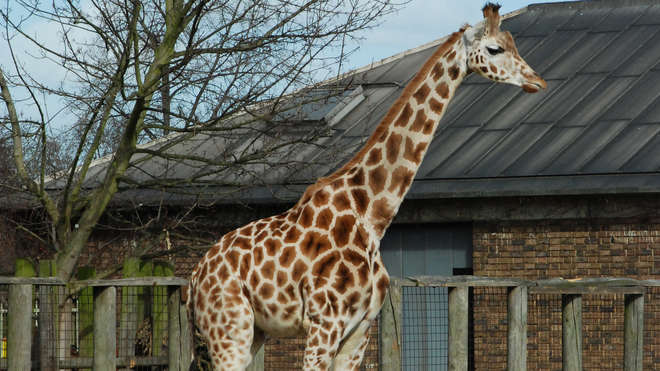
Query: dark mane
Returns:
{"type": "Point", "coordinates": [494, 6]}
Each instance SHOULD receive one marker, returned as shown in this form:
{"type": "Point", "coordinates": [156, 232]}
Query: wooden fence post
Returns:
{"type": "Point", "coordinates": [19, 318]}
{"type": "Point", "coordinates": [633, 328]}
{"type": "Point", "coordinates": [572, 332]}
{"type": "Point", "coordinates": [180, 334]}
{"type": "Point", "coordinates": [105, 328]}
{"type": "Point", "coordinates": [458, 328]}
{"type": "Point", "coordinates": [19, 338]}
{"type": "Point", "coordinates": [390, 328]}
{"type": "Point", "coordinates": [517, 323]}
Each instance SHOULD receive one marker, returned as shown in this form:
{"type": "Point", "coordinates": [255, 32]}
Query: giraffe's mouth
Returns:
{"type": "Point", "coordinates": [534, 85]}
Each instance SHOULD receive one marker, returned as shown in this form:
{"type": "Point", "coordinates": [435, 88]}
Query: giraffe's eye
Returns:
{"type": "Point", "coordinates": [495, 50]}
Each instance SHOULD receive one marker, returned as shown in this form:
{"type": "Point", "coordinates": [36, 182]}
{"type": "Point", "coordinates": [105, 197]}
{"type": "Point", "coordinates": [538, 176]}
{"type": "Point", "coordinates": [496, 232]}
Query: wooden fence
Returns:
{"type": "Point", "coordinates": [571, 292]}
{"type": "Point", "coordinates": [104, 357]}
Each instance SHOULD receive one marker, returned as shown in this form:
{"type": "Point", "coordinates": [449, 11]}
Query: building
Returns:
{"type": "Point", "coordinates": [563, 183]}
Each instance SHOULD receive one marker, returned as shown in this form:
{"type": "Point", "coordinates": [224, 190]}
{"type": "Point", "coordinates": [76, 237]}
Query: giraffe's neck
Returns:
{"type": "Point", "coordinates": [385, 167]}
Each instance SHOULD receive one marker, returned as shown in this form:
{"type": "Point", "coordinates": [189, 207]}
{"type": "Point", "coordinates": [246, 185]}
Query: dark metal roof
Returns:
{"type": "Point", "coordinates": [594, 130]}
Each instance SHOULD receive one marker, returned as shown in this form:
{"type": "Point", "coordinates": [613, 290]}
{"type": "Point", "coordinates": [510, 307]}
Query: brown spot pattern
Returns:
{"type": "Point", "coordinates": [323, 268]}
{"type": "Point", "coordinates": [342, 229]}
{"type": "Point", "coordinates": [292, 235]}
{"type": "Point", "coordinates": [272, 246]}
{"type": "Point", "coordinates": [361, 199]}
{"type": "Point", "coordinates": [443, 90]}
{"type": "Point", "coordinates": [268, 270]}
{"type": "Point", "coordinates": [414, 153]}
{"type": "Point", "coordinates": [401, 179]}
{"type": "Point", "coordinates": [421, 93]}
{"type": "Point", "coordinates": [266, 291]}
{"type": "Point", "coordinates": [453, 71]}
{"type": "Point", "coordinates": [299, 268]}
{"type": "Point", "coordinates": [324, 219]}
{"type": "Point", "coordinates": [436, 106]}
{"type": "Point", "coordinates": [287, 256]}
{"type": "Point", "coordinates": [314, 244]}
{"type": "Point", "coordinates": [421, 121]}
{"type": "Point", "coordinates": [341, 201]}
{"type": "Point", "coordinates": [393, 145]}
{"type": "Point", "coordinates": [381, 214]}
{"type": "Point", "coordinates": [320, 198]}
{"type": "Point", "coordinates": [377, 179]}
{"type": "Point", "coordinates": [404, 118]}
{"type": "Point", "coordinates": [375, 156]}
{"type": "Point", "coordinates": [357, 179]}
{"type": "Point", "coordinates": [343, 279]}
{"type": "Point", "coordinates": [437, 71]}
{"type": "Point", "coordinates": [306, 217]}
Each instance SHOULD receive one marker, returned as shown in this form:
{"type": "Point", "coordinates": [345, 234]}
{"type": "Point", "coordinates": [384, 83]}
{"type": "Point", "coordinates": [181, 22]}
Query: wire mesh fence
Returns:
{"type": "Point", "coordinates": [425, 328]}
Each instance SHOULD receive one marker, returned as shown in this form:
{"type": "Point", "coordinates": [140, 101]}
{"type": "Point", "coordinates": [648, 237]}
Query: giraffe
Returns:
{"type": "Point", "coordinates": [316, 269]}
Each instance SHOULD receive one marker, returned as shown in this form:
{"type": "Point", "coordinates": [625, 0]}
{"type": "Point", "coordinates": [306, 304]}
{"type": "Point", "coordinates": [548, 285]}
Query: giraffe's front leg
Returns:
{"type": "Point", "coordinates": [352, 348]}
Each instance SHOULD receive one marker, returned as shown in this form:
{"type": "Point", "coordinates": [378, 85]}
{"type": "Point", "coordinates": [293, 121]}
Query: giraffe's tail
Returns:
{"type": "Point", "coordinates": [189, 297]}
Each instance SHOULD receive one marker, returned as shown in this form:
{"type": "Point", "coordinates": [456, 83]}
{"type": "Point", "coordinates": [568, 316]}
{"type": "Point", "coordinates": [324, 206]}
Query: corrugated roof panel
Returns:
{"type": "Point", "coordinates": [458, 163]}
{"type": "Point", "coordinates": [650, 16]}
{"type": "Point", "coordinates": [442, 146]}
{"type": "Point", "coordinates": [640, 95]}
{"type": "Point", "coordinates": [508, 150]}
{"type": "Point", "coordinates": [465, 96]}
{"type": "Point", "coordinates": [646, 57]}
{"type": "Point", "coordinates": [548, 20]}
{"type": "Point", "coordinates": [495, 97]}
{"type": "Point", "coordinates": [552, 48]}
{"type": "Point", "coordinates": [620, 18]}
{"type": "Point", "coordinates": [374, 97]}
{"type": "Point", "coordinates": [616, 153]}
{"type": "Point", "coordinates": [627, 43]}
{"type": "Point", "coordinates": [520, 106]}
{"type": "Point", "coordinates": [599, 99]}
{"type": "Point", "coordinates": [651, 115]}
{"type": "Point", "coordinates": [647, 159]}
{"type": "Point", "coordinates": [584, 19]}
{"type": "Point", "coordinates": [565, 97]}
{"type": "Point", "coordinates": [405, 68]}
{"type": "Point", "coordinates": [541, 154]}
{"type": "Point", "coordinates": [571, 160]}
{"type": "Point", "coordinates": [526, 44]}
{"type": "Point", "coordinates": [519, 23]}
{"type": "Point", "coordinates": [582, 52]}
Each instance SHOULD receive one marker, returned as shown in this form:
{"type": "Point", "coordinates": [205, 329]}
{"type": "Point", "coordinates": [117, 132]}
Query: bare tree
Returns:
{"type": "Point", "coordinates": [134, 71]}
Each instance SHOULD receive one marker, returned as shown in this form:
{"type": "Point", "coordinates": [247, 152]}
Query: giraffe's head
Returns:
{"type": "Point", "coordinates": [493, 54]}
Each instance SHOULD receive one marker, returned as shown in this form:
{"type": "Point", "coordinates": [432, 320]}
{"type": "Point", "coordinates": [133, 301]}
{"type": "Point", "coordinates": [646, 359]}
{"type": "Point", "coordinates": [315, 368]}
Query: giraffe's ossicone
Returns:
{"type": "Point", "coordinates": [316, 269]}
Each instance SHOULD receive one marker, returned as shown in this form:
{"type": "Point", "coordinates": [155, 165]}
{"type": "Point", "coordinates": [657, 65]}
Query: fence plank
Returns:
{"type": "Point", "coordinates": [633, 329]}
{"type": "Point", "coordinates": [105, 328]}
{"type": "Point", "coordinates": [517, 323]}
{"type": "Point", "coordinates": [180, 333]}
{"type": "Point", "coordinates": [458, 328]}
{"type": "Point", "coordinates": [390, 328]}
{"type": "Point", "coordinates": [572, 332]}
{"type": "Point", "coordinates": [19, 338]}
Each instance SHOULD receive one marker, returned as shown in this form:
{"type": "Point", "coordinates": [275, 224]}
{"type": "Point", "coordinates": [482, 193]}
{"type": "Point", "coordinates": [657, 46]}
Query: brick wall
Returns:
{"type": "Point", "coordinates": [568, 249]}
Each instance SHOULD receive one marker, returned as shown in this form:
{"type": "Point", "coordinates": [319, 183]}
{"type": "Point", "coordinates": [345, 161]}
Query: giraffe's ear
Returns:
{"type": "Point", "coordinates": [472, 34]}
{"type": "Point", "coordinates": [492, 16]}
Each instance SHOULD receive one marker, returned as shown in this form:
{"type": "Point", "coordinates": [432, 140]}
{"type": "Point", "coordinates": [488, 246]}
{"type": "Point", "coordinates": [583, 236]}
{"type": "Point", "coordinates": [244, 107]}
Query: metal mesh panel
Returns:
{"type": "Point", "coordinates": [425, 328]}
{"type": "Point", "coordinates": [142, 327]}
